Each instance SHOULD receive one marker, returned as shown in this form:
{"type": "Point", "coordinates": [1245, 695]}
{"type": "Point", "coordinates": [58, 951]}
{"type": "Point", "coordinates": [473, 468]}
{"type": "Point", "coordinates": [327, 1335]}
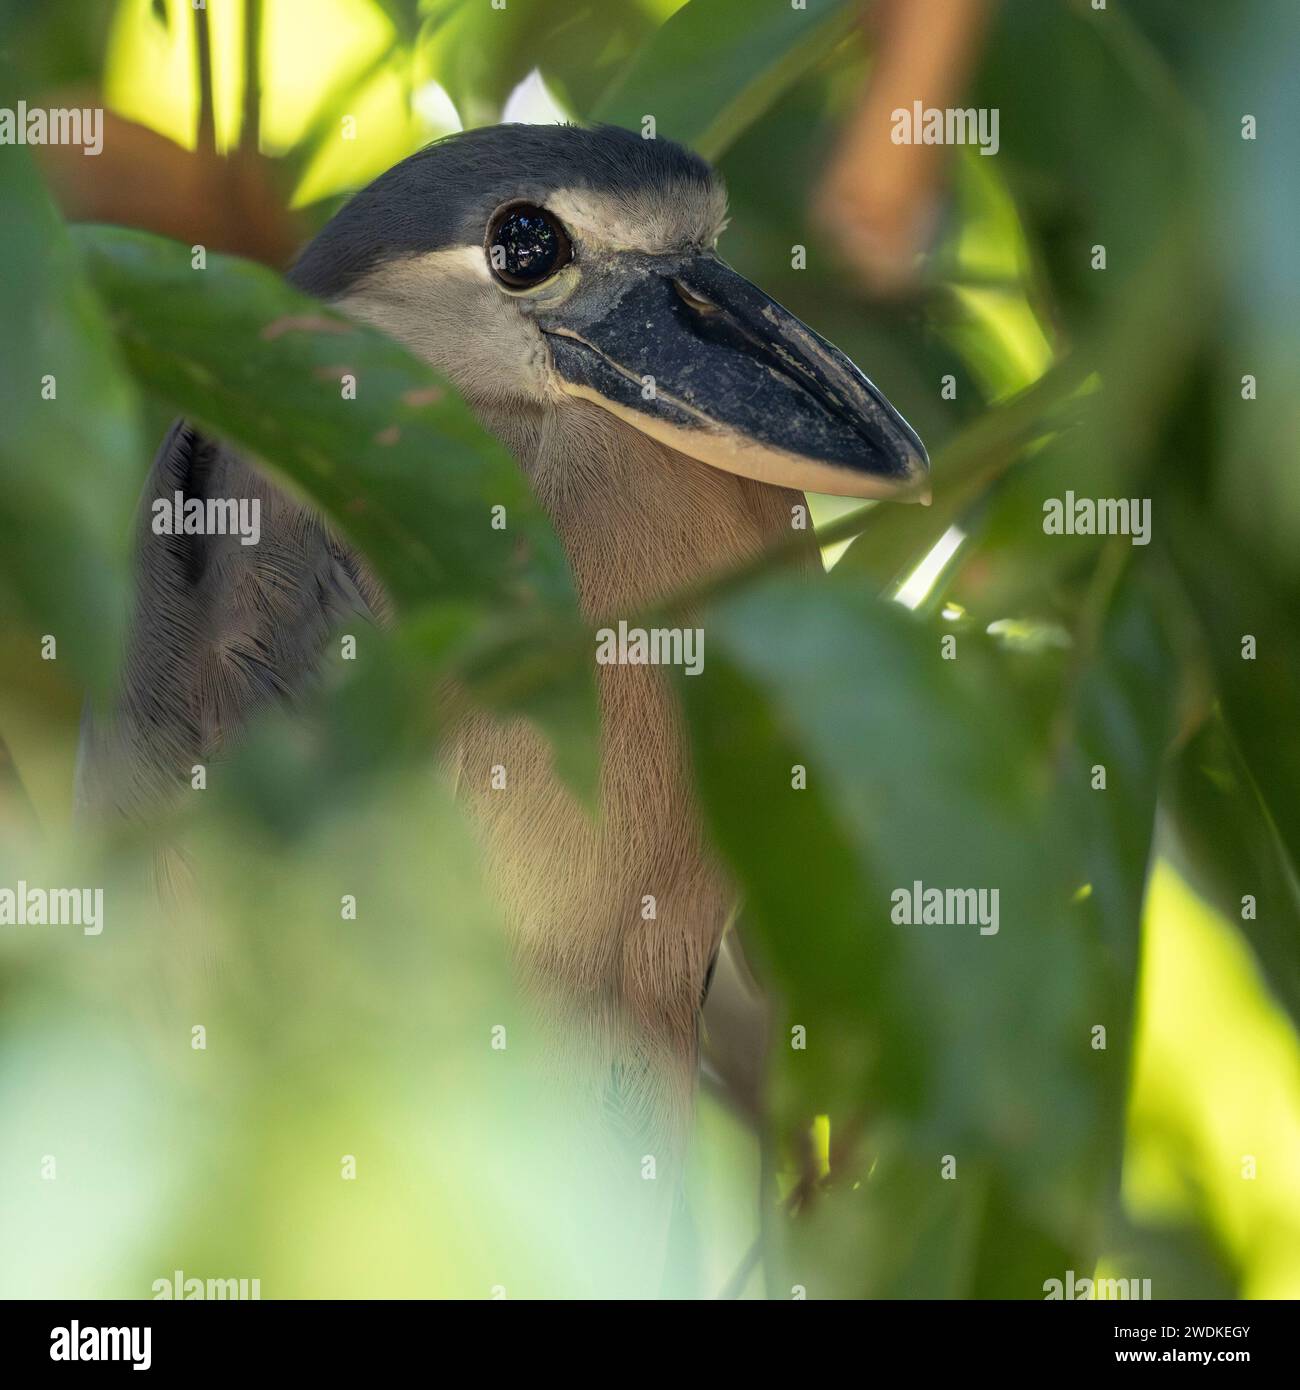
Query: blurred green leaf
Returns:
{"type": "Point", "coordinates": [1074, 181]}
{"type": "Point", "coordinates": [919, 770]}
{"type": "Point", "coordinates": [1230, 850]}
{"type": "Point", "coordinates": [1117, 714]}
{"type": "Point", "coordinates": [368, 1037]}
{"type": "Point", "coordinates": [895, 540]}
{"type": "Point", "coordinates": [404, 468]}
{"type": "Point", "coordinates": [480, 53]}
{"type": "Point", "coordinates": [751, 50]}
{"type": "Point", "coordinates": [70, 465]}
{"type": "Point", "coordinates": [1260, 692]}
{"type": "Point", "coordinates": [1232, 63]}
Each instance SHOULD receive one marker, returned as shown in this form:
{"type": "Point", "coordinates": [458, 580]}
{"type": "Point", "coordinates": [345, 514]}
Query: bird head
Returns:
{"type": "Point", "coordinates": [535, 265]}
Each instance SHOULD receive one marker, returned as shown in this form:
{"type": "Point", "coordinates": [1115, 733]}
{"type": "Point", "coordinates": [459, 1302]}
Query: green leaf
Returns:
{"type": "Point", "coordinates": [1118, 714]}
{"type": "Point", "coordinates": [69, 466]}
{"type": "Point", "coordinates": [404, 469]}
{"type": "Point", "coordinates": [480, 54]}
{"type": "Point", "coordinates": [1230, 849]}
{"type": "Point", "coordinates": [919, 769]}
{"type": "Point", "coordinates": [717, 65]}
{"type": "Point", "coordinates": [1258, 304]}
{"type": "Point", "coordinates": [1126, 172]}
{"type": "Point", "coordinates": [1250, 641]}
{"type": "Point", "coordinates": [895, 540]}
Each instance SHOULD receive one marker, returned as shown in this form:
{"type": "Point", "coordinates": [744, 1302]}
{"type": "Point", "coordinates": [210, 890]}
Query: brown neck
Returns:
{"type": "Point", "coordinates": [638, 519]}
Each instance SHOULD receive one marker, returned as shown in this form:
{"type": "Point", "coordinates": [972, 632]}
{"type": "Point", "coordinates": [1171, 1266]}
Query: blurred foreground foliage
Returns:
{"type": "Point", "coordinates": [1120, 908]}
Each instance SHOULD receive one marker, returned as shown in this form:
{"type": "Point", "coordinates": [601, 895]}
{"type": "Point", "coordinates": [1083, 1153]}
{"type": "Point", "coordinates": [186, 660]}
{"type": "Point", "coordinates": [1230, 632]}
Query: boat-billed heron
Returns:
{"type": "Point", "coordinates": [667, 414]}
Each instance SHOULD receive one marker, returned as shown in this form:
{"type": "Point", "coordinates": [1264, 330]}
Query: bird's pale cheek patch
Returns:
{"type": "Point", "coordinates": [447, 309]}
{"type": "Point", "coordinates": [450, 265]}
{"type": "Point", "coordinates": [456, 262]}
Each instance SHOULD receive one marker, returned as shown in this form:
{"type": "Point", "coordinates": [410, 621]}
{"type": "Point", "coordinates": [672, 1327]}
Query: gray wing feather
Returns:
{"type": "Point", "coordinates": [219, 630]}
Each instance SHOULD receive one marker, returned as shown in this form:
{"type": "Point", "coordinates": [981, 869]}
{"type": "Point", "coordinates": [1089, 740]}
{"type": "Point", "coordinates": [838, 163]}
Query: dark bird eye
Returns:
{"type": "Point", "coordinates": [525, 244]}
